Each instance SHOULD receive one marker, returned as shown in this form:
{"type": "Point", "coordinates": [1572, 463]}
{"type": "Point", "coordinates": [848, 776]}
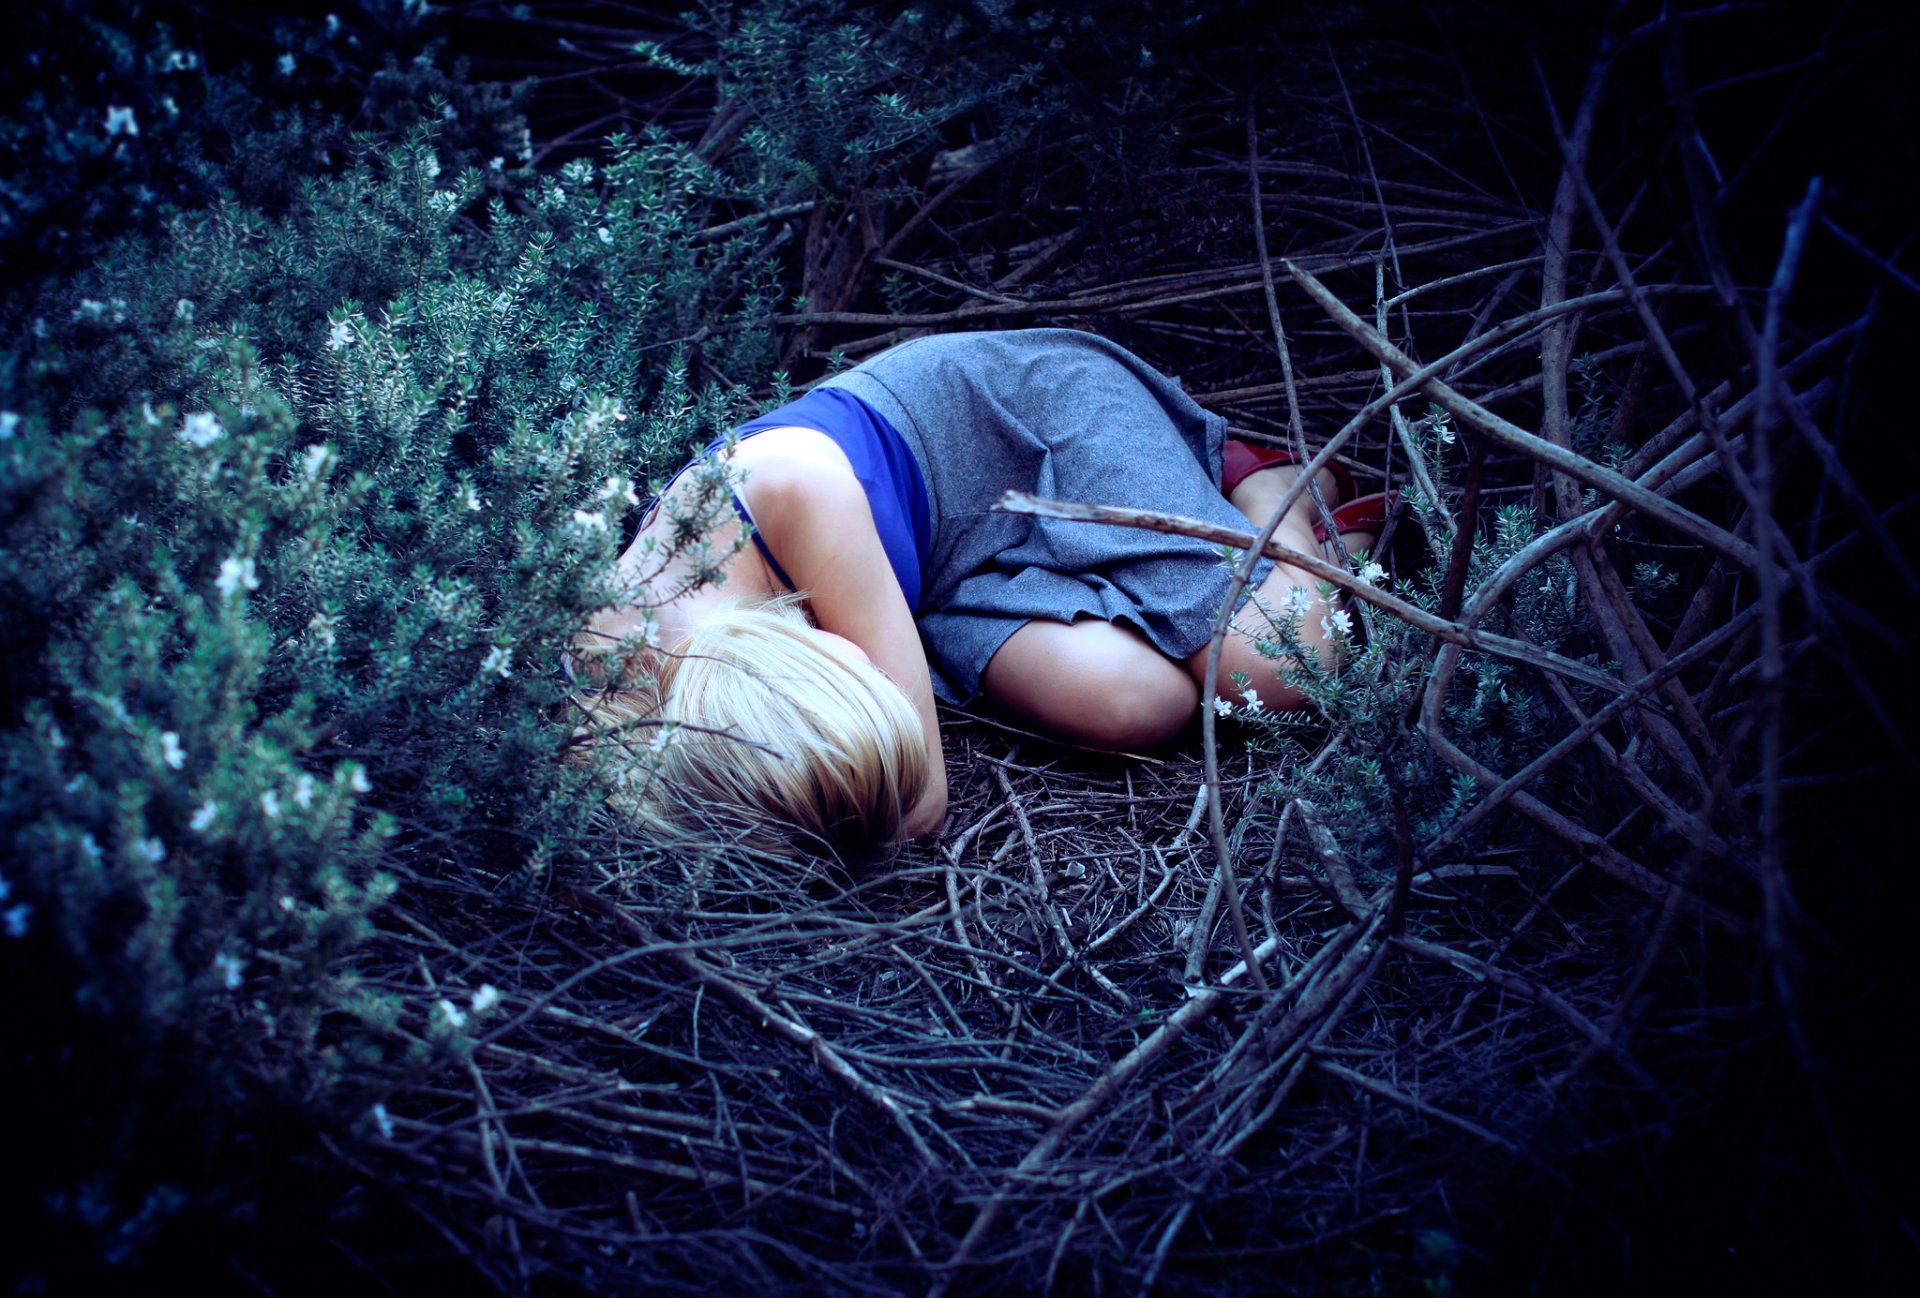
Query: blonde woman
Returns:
{"type": "Point", "coordinates": [792, 703]}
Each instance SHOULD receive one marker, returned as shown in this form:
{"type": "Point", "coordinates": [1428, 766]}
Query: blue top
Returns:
{"type": "Point", "coordinates": [884, 466]}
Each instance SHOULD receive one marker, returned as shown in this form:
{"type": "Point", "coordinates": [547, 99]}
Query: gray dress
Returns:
{"type": "Point", "coordinates": [1066, 414]}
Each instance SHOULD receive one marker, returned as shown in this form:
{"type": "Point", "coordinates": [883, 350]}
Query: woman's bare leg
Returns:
{"type": "Point", "coordinates": [1256, 496]}
{"type": "Point", "coordinates": [1091, 682]}
{"type": "Point", "coordinates": [1106, 686]}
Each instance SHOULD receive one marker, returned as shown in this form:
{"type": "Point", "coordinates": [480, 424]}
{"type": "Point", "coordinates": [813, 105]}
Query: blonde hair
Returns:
{"type": "Point", "coordinates": [759, 730]}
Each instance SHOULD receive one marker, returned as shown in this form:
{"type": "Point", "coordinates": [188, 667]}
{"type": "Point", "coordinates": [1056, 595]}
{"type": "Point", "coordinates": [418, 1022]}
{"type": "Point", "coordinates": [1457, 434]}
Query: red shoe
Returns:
{"type": "Point", "coordinates": [1363, 514]}
{"type": "Point", "coordinates": [1242, 459]}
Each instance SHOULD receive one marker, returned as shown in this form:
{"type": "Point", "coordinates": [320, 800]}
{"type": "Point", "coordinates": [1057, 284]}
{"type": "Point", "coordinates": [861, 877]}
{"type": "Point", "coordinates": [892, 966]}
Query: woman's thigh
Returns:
{"type": "Point", "coordinates": [1092, 682]}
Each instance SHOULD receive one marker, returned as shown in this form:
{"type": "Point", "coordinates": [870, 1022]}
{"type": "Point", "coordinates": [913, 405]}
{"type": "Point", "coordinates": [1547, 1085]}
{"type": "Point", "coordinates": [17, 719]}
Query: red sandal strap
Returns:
{"type": "Point", "coordinates": [1243, 459]}
{"type": "Point", "coordinates": [1364, 514]}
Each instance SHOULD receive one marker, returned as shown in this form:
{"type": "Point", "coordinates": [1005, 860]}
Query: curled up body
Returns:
{"type": "Point", "coordinates": [779, 687]}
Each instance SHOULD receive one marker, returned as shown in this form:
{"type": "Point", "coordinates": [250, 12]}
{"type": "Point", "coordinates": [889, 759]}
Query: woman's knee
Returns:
{"type": "Point", "coordinates": [1092, 682]}
{"type": "Point", "coordinates": [1143, 709]}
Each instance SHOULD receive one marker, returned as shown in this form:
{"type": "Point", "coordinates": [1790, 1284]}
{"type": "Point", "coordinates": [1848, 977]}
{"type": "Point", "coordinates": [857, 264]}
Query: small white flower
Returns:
{"type": "Point", "coordinates": [1446, 434]}
{"type": "Point", "coordinates": [90, 309]}
{"type": "Point", "coordinates": [606, 236]}
{"type": "Point", "coordinates": [171, 752]}
{"type": "Point", "coordinates": [183, 309]}
{"type": "Point", "coordinates": [318, 458]}
{"type": "Point", "coordinates": [120, 122]}
{"type": "Point", "coordinates": [303, 790]}
{"type": "Point", "coordinates": [383, 1120]}
{"type": "Point", "coordinates": [286, 65]}
{"type": "Point", "coordinates": [236, 573]}
{"type": "Point", "coordinates": [339, 336]}
{"type": "Point", "coordinates": [486, 998]}
{"type": "Point", "coordinates": [9, 424]}
{"type": "Point", "coordinates": [1297, 602]}
{"type": "Point", "coordinates": [1254, 703]}
{"type": "Point", "coordinates": [202, 429]}
{"type": "Point", "coordinates": [333, 26]}
{"type": "Point", "coordinates": [498, 660]}
{"type": "Point", "coordinates": [151, 850]}
{"type": "Point", "coordinates": [455, 1016]}
{"type": "Point", "coordinates": [587, 522]}
{"type": "Point", "coordinates": [1371, 572]}
{"type": "Point", "coordinates": [15, 918]}
{"type": "Point", "coordinates": [1222, 707]}
{"type": "Point", "coordinates": [287, 904]}
{"type": "Point", "coordinates": [432, 167]}
{"type": "Point", "coordinates": [1343, 621]}
{"type": "Point", "coordinates": [471, 499]}
{"type": "Point", "coordinates": [617, 488]}
{"type": "Point", "coordinates": [182, 61]}
{"type": "Point", "coordinates": [270, 804]}
{"type": "Point", "coordinates": [662, 738]}
{"type": "Point", "coordinates": [497, 164]}
{"type": "Point", "coordinates": [230, 968]}
{"type": "Point", "coordinates": [357, 780]}
{"type": "Point", "coordinates": [204, 816]}
{"type": "Point", "coordinates": [148, 413]}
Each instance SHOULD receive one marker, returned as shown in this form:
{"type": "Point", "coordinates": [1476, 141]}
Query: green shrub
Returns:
{"type": "Point", "coordinates": [298, 503]}
{"type": "Point", "coordinates": [120, 114]}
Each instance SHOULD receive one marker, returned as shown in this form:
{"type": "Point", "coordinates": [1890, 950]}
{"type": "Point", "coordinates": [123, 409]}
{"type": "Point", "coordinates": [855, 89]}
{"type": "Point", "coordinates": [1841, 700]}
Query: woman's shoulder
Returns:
{"type": "Point", "coordinates": [791, 459]}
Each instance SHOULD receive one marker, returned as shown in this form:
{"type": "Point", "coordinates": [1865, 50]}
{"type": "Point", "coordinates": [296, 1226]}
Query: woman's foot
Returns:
{"type": "Point", "coordinates": [1349, 546]}
{"type": "Point", "coordinates": [1357, 523]}
{"type": "Point", "coordinates": [1259, 493]}
{"type": "Point", "coordinates": [1257, 478]}
{"type": "Point", "coordinates": [1243, 458]}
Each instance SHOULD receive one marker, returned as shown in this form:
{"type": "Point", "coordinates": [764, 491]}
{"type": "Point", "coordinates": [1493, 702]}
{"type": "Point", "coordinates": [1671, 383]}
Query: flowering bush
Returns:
{"type": "Point", "coordinates": [298, 502]}
{"type": "Point", "coordinates": [120, 114]}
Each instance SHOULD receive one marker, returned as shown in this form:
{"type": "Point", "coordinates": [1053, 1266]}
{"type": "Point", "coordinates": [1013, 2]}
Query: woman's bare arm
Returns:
{"type": "Point", "coordinates": [814, 515]}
